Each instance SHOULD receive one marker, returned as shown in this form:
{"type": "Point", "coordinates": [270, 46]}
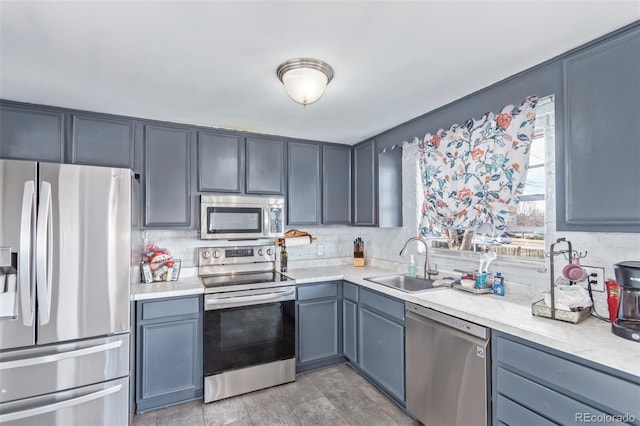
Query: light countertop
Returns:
{"type": "Point", "coordinates": [591, 339]}
{"type": "Point", "coordinates": [183, 287]}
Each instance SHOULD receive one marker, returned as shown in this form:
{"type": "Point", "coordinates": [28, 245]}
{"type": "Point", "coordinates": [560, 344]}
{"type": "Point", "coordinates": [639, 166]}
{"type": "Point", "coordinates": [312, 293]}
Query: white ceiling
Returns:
{"type": "Point", "coordinates": [213, 63]}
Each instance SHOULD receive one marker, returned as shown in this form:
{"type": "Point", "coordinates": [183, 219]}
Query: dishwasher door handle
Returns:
{"type": "Point", "coordinates": [445, 328]}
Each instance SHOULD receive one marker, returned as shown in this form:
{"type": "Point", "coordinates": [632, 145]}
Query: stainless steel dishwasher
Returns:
{"type": "Point", "coordinates": [448, 372]}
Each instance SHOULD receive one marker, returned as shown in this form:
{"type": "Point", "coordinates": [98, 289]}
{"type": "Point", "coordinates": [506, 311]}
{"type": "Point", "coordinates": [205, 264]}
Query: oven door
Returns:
{"type": "Point", "coordinates": [253, 328]}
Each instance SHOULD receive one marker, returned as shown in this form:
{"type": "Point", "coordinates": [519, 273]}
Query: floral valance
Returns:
{"type": "Point", "coordinates": [474, 173]}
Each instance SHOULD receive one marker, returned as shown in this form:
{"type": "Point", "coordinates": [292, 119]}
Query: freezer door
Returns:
{"type": "Point", "coordinates": [46, 369]}
{"type": "Point", "coordinates": [100, 404]}
{"type": "Point", "coordinates": [17, 245]}
{"type": "Point", "coordinates": [83, 251]}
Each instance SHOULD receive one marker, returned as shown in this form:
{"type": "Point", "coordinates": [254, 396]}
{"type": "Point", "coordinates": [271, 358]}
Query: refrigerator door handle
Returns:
{"type": "Point", "coordinates": [27, 362]}
{"type": "Point", "coordinates": [25, 278]}
{"type": "Point", "coordinates": [44, 242]}
{"type": "Point", "coordinates": [32, 412]}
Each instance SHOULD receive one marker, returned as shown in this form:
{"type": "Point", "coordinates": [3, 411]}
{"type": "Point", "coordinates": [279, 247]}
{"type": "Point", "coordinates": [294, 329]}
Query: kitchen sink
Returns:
{"type": "Point", "coordinates": [404, 283]}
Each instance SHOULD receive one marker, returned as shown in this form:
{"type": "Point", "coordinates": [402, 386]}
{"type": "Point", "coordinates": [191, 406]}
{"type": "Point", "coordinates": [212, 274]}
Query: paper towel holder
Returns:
{"type": "Point", "coordinates": [294, 233]}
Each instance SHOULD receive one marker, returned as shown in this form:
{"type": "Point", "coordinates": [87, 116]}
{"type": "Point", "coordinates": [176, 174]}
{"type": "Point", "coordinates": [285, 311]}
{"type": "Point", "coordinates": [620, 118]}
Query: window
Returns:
{"type": "Point", "coordinates": [524, 237]}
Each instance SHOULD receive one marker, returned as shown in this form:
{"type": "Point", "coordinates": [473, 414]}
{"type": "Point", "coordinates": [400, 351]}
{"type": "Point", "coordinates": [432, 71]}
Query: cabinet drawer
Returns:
{"type": "Point", "coordinates": [393, 308]}
{"type": "Point", "coordinates": [350, 291]}
{"type": "Point", "coordinates": [318, 291]}
{"type": "Point", "coordinates": [510, 413]}
{"type": "Point", "coordinates": [569, 377]}
{"type": "Point", "coordinates": [170, 307]}
{"type": "Point", "coordinates": [540, 399]}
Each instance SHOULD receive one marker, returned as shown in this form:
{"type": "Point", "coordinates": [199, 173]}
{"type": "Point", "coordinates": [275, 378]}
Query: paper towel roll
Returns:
{"type": "Point", "coordinates": [298, 241]}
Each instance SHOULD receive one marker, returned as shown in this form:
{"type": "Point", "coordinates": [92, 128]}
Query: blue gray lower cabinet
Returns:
{"type": "Point", "coordinates": [318, 323]}
{"type": "Point", "coordinates": [168, 351]}
{"type": "Point", "coordinates": [536, 385]}
{"type": "Point", "coordinates": [381, 348]}
{"type": "Point", "coordinates": [350, 330]}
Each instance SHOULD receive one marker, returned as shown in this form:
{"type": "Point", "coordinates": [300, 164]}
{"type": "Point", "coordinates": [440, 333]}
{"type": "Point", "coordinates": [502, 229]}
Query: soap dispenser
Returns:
{"type": "Point", "coordinates": [412, 268]}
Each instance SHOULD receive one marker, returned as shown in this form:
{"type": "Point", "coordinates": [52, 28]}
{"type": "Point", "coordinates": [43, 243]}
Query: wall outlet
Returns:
{"type": "Point", "coordinates": [596, 276]}
{"type": "Point", "coordinates": [320, 250]}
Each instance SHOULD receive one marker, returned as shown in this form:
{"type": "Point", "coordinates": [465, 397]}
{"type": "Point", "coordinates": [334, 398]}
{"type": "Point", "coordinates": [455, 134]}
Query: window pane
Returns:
{"type": "Point", "coordinates": [537, 152]}
{"type": "Point", "coordinates": [535, 182]}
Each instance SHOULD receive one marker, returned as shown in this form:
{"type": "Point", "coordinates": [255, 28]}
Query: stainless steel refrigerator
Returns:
{"type": "Point", "coordinates": [65, 248]}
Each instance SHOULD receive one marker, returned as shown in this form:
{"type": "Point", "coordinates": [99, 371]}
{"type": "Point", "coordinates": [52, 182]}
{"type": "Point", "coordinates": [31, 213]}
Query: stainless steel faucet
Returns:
{"type": "Point", "coordinates": [427, 272]}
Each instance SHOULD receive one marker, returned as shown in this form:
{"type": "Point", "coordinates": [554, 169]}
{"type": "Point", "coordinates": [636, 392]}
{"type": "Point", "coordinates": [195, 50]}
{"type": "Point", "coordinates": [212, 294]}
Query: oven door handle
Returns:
{"type": "Point", "coordinates": [249, 300]}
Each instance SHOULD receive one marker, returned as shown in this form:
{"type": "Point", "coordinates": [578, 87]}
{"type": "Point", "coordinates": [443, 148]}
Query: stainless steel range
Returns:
{"type": "Point", "coordinates": [249, 321]}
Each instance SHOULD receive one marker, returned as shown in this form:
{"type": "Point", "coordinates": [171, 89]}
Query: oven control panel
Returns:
{"type": "Point", "coordinates": [208, 256]}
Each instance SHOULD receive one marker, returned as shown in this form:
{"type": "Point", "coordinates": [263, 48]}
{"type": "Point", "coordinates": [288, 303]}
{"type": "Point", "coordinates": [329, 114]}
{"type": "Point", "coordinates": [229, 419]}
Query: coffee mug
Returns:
{"type": "Point", "coordinates": [574, 272]}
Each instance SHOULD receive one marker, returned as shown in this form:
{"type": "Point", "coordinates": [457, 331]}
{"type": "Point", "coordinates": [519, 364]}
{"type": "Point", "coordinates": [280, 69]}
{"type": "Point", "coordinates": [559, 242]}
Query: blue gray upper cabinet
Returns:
{"type": "Point", "coordinates": [336, 185]}
{"type": "Point", "coordinates": [265, 170]}
{"type": "Point", "coordinates": [390, 188]}
{"type": "Point", "coordinates": [167, 176]}
{"type": "Point", "coordinates": [31, 133]}
{"type": "Point", "coordinates": [220, 162]}
{"type": "Point", "coordinates": [602, 138]}
{"type": "Point", "coordinates": [101, 141]}
{"type": "Point", "coordinates": [303, 187]}
{"type": "Point", "coordinates": [365, 211]}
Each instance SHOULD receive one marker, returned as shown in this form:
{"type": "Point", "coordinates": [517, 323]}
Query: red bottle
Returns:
{"type": "Point", "coordinates": [613, 298]}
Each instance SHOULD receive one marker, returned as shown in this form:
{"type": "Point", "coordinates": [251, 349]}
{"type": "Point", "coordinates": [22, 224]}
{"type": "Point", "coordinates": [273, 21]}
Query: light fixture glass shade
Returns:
{"type": "Point", "coordinates": [305, 79]}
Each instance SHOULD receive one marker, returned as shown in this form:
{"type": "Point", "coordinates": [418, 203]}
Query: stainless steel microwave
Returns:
{"type": "Point", "coordinates": [224, 217]}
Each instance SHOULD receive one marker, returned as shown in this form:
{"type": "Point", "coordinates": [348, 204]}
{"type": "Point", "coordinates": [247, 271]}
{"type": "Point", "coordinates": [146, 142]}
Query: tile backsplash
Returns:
{"type": "Point", "coordinates": [335, 243]}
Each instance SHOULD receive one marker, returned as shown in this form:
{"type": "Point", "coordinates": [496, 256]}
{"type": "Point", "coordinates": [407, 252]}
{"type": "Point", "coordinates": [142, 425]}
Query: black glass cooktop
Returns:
{"type": "Point", "coordinates": [245, 278]}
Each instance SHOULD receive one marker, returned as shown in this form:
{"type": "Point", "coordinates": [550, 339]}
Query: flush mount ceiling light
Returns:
{"type": "Point", "coordinates": [305, 79]}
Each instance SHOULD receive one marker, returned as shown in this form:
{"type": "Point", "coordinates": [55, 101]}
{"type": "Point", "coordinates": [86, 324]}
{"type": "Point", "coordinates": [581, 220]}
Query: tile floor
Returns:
{"type": "Point", "coordinates": [331, 396]}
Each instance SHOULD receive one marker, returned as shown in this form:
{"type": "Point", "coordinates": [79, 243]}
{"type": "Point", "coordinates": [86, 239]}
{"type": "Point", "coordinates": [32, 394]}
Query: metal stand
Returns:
{"type": "Point", "coordinates": [570, 255]}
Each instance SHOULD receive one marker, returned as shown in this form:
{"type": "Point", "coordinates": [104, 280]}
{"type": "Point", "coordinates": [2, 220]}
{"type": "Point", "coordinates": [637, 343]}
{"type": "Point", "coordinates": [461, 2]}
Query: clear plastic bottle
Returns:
{"type": "Point", "coordinates": [412, 268]}
{"type": "Point", "coordinates": [498, 284]}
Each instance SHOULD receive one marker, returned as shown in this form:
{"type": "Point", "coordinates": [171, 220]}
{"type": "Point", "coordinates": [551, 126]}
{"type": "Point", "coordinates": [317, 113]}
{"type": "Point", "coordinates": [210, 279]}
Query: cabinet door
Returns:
{"type": "Point", "coordinates": [364, 183]}
{"type": "Point", "coordinates": [265, 166]}
{"type": "Point", "coordinates": [381, 351]}
{"type": "Point", "coordinates": [390, 188]}
{"type": "Point", "coordinates": [303, 188]}
{"type": "Point", "coordinates": [167, 176]}
{"type": "Point", "coordinates": [220, 162]}
{"type": "Point", "coordinates": [349, 330]}
{"type": "Point", "coordinates": [31, 134]}
{"type": "Point", "coordinates": [317, 330]}
{"type": "Point", "coordinates": [170, 362]}
{"type": "Point", "coordinates": [336, 185]}
{"type": "Point", "coordinates": [99, 141]}
{"type": "Point", "coordinates": [601, 119]}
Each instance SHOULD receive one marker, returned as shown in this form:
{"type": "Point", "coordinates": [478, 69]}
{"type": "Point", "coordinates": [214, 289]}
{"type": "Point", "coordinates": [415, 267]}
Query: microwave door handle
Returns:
{"type": "Point", "coordinates": [25, 251]}
{"type": "Point", "coordinates": [252, 298]}
{"type": "Point", "coordinates": [44, 242]}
